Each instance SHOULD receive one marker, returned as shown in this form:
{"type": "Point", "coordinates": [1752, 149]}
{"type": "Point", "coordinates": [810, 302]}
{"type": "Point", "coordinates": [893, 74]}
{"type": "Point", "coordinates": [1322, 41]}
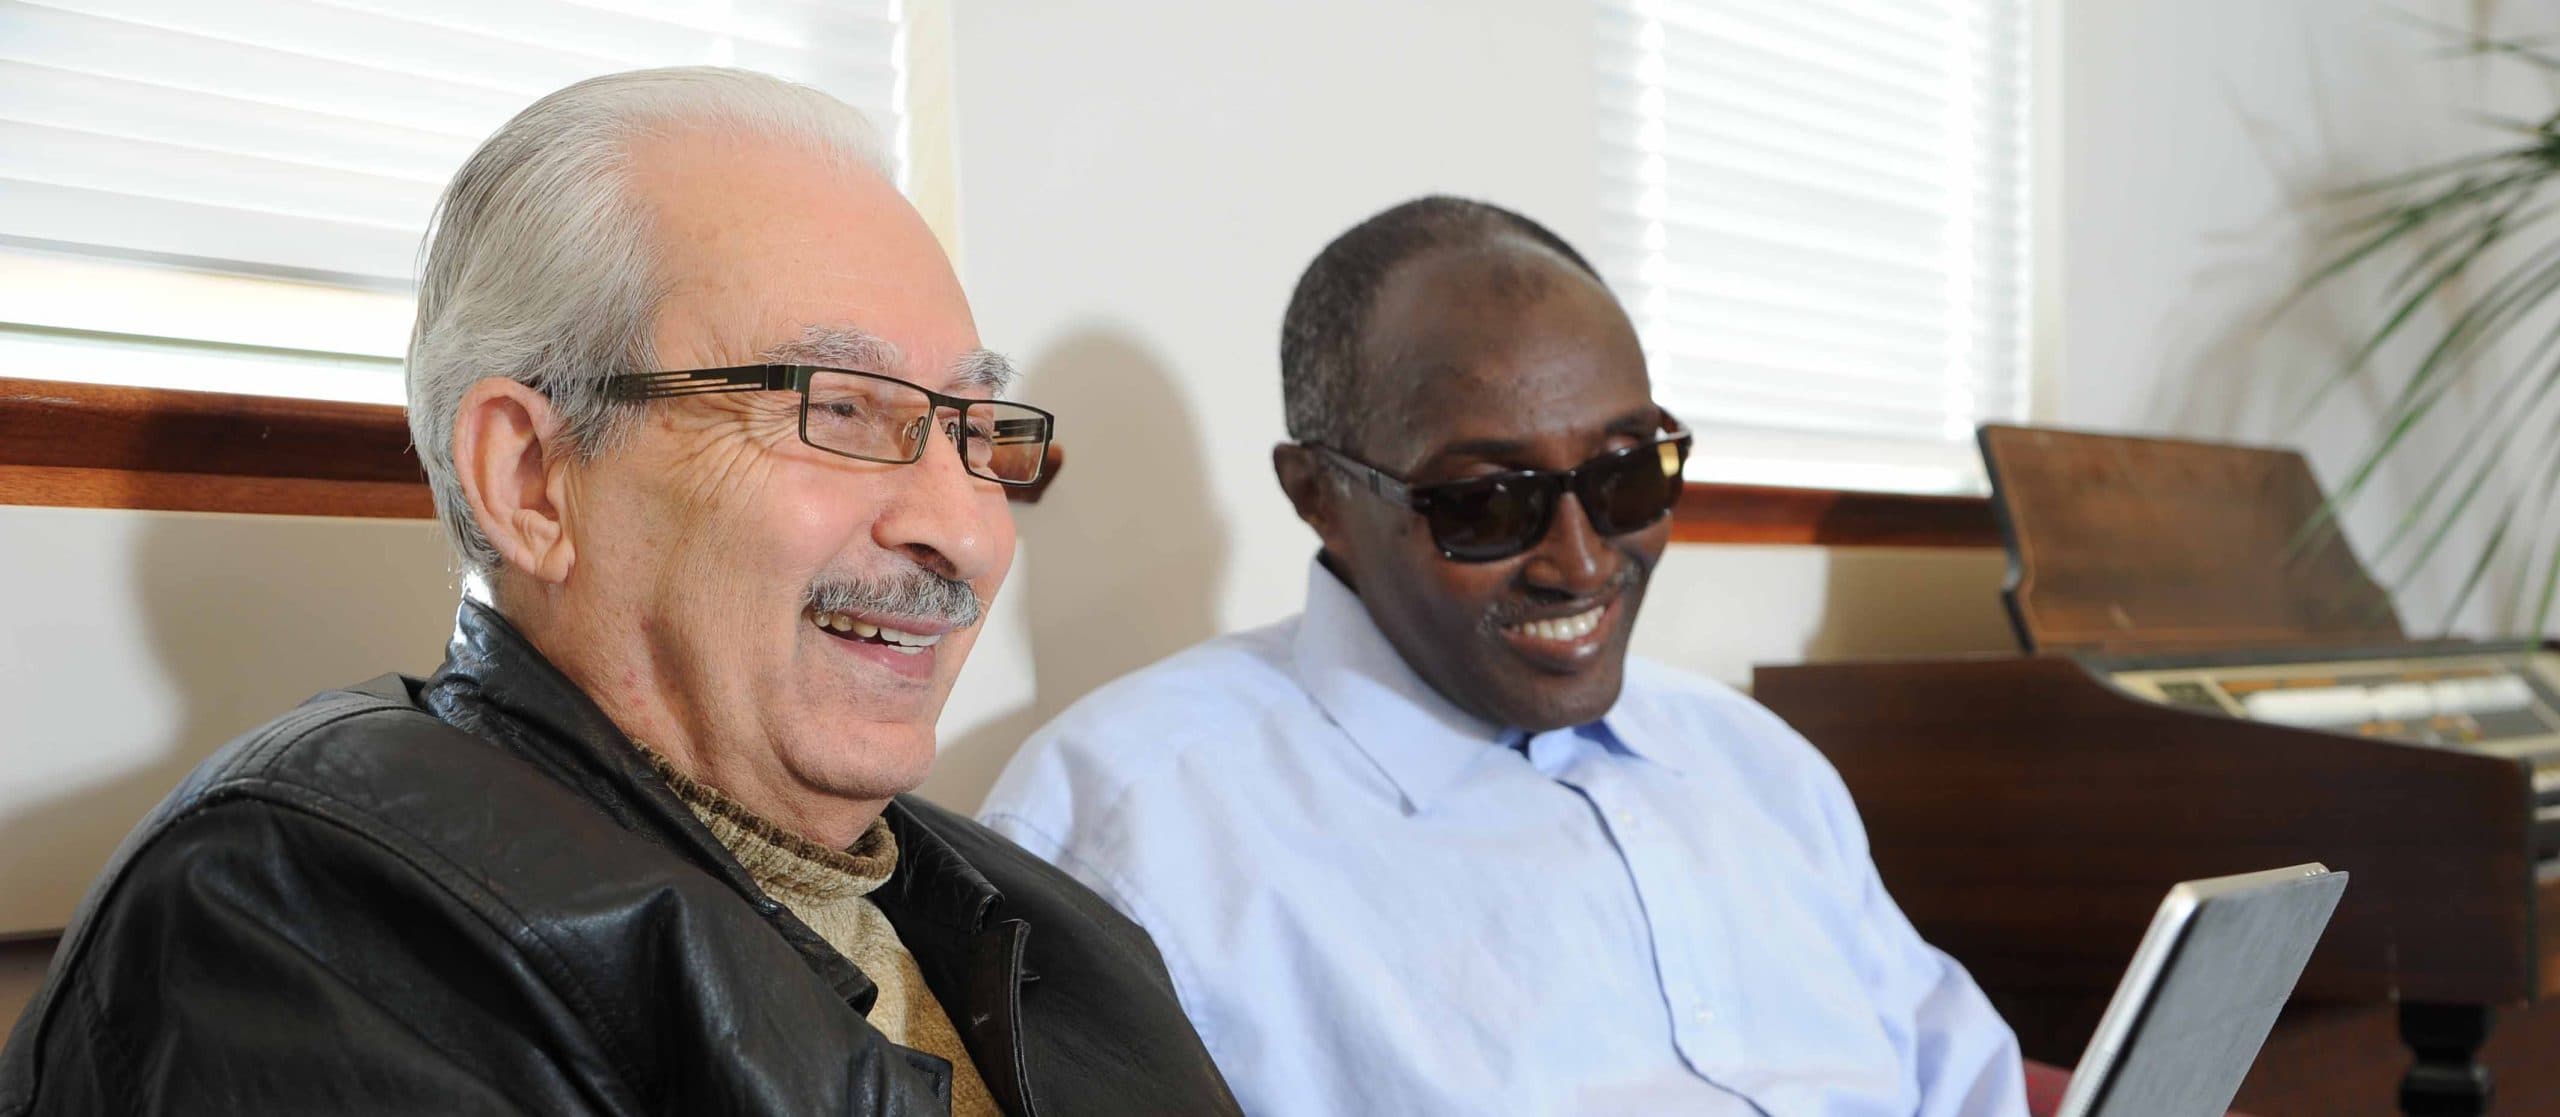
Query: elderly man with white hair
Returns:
{"type": "Point", "coordinates": [706, 417]}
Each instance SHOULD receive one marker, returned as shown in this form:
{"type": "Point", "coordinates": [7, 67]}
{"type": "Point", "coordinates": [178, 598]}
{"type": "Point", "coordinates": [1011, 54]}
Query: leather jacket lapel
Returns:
{"type": "Point", "coordinates": [994, 1017]}
{"type": "Point", "coordinates": [495, 683]}
{"type": "Point", "coordinates": [947, 912]}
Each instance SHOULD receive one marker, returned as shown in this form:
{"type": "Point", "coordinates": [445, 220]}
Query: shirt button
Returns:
{"type": "Point", "coordinates": [1626, 820]}
{"type": "Point", "coordinates": [1703, 1015]}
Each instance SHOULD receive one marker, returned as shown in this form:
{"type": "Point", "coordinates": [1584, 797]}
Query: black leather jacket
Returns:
{"type": "Point", "coordinates": [470, 894]}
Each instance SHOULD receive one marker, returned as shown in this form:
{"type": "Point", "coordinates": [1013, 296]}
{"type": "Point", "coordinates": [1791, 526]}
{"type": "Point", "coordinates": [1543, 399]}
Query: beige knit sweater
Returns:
{"type": "Point", "coordinates": [830, 890]}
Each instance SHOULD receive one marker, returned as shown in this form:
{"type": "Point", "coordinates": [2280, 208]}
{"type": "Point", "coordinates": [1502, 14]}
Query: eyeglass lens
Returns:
{"type": "Point", "coordinates": [879, 419]}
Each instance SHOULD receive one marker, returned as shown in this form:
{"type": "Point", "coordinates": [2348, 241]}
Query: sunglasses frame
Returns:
{"type": "Point", "coordinates": [1421, 498]}
{"type": "Point", "coordinates": [633, 387]}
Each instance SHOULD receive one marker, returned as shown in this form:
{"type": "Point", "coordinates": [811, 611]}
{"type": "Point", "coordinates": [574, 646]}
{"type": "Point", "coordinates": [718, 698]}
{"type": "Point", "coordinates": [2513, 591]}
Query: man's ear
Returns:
{"type": "Point", "coordinates": [512, 465]}
{"type": "Point", "coordinates": [1314, 490]}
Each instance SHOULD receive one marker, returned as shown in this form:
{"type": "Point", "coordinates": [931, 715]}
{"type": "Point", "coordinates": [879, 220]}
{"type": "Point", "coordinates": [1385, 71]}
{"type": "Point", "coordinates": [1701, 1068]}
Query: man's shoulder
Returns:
{"type": "Point", "coordinates": [364, 755]}
{"type": "Point", "coordinates": [1658, 691]}
{"type": "Point", "coordinates": [1697, 714]}
{"type": "Point", "coordinates": [370, 777]}
{"type": "Point", "coordinates": [329, 753]}
{"type": "Point", "coordinates": [1224, 673]}
{"type": "Point", "coordinates": [1211, 695]}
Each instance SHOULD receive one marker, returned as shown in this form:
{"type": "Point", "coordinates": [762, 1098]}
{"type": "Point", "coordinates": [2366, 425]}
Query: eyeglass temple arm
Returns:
{"type": "Point", "coordinates": [700, 382]}
{"type": "Point", "coordinates": [1379, 480]}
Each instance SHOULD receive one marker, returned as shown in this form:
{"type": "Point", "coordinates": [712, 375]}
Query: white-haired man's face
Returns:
{"type": "Point", "coordinates": [697, 547]}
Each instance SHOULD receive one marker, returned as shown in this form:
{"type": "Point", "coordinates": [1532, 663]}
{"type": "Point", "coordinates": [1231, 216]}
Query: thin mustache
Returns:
{"type": "Point", "coordinates": [1631, 575]}
{"type": "Point", "coordinates": [912, 592]}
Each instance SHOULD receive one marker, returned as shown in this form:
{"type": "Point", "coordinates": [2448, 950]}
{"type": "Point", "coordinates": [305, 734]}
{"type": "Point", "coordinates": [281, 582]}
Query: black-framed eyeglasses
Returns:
{"type": "Point", "coordinates": [873, 418]}
{"type": "Point", "coordinates": [1483, 519]}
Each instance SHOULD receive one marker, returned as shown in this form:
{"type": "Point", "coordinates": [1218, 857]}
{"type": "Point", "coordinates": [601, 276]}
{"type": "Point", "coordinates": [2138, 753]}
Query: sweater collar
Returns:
{"type": "Point", "coordinates": [794, 868]}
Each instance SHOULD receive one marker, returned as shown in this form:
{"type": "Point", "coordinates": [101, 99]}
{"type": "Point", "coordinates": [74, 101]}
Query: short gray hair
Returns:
{"type": "Point", "coordinates": [539, 268]}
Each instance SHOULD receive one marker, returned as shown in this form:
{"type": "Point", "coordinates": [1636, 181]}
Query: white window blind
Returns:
{"type": "Point", "coordinates": [310, 137]}
{"type": "Point", "coordinates": [265, 169]}
{"type": "Point", "coordinates": [1815, 211]}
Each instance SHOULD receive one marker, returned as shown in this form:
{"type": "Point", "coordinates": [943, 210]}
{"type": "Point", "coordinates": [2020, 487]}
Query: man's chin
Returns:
{"type": "Point", "coordinates": [1538, 703]}
{"type": "Point", "coordinates": [883, 762]}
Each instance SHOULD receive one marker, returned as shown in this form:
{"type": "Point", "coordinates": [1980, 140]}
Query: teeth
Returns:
{"type": "Point", "coordinates": [918, 641]}
{"type": "Point", "coordinates": [911, 643]}
{"type": "Point", "coordinates": [1563, 630]}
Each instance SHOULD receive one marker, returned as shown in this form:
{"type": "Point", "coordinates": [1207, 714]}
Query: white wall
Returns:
{"type": "Point", "coordinates": [136, 642]}
{"type": "Point", "coordinates": [1141, 184]}
{"type": "Point", "coordinates": [2201, 147]}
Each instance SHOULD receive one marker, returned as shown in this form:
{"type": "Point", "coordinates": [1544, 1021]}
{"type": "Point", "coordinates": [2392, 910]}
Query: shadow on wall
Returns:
{"type": "Point", "coordinates": [2232, 369]}
{"type": "Point", "coordinates": [1122, 560]}
{"type": "Point", "coordinates": [2240, 370]}
{"type": "Point", "coordinates": [1926, 602]}
{"type": "Point", "coordinates": [228, 622]}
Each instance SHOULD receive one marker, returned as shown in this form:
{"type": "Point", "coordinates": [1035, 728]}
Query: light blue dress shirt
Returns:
{"type": "Point", "coordinates": [1370, 905]}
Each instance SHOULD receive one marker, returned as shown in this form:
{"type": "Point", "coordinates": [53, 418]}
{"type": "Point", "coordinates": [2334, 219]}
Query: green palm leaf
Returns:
{"type": "Point", "coordinates": [2481, 215]}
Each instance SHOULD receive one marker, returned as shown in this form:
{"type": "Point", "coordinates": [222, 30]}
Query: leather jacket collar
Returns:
{"type": "Point", "coordinates": [495, 683]}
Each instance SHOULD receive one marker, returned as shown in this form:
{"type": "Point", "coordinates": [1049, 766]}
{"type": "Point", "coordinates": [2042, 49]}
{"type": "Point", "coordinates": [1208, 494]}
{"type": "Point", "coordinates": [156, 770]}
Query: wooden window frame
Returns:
{"type": "Point", "coordinates": [69, 445]}
{"type": "Point", "coordinates": [108, 446]}
{"type": "Point", "coordinates": [1769, 514]}
{"type": "Point", "coordinates": [64, 444]}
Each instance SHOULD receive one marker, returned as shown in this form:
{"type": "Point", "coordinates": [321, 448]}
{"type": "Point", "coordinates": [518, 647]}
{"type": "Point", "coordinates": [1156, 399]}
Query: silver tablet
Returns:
{"type": "Point", "coordinates": [2205, 986]}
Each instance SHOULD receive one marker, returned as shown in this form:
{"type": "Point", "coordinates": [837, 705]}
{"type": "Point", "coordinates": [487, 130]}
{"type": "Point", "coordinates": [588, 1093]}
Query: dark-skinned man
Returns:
{"type": "Point", "coordinates": [1436, 846]}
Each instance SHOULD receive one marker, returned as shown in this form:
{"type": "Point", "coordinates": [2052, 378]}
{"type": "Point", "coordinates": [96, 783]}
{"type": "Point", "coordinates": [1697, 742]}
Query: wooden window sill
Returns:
{"type": "Point", "coordinates": [1721, 513]}
{"type": "Point", "coordinates": [105, 446]}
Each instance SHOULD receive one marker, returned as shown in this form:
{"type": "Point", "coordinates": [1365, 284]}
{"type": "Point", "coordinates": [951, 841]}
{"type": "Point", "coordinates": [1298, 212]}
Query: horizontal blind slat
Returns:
{"type": "Point", "coordinates": [135, 110]}
{"type": "Point", "coordinates": [1814, 210]}
{"type": "Point", "coordinates": [111, 164]}
{"type": "Point", "coordinates": [310, 137]}
{"type": "Point", "coordinates": [154, 228]}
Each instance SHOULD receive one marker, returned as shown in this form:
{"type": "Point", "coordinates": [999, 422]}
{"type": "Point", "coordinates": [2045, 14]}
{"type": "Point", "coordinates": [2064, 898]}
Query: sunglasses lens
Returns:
{"type": "Point", "coordinates": [1633, 489]}
{"type": "Point", "coordinates": [1479, 521]}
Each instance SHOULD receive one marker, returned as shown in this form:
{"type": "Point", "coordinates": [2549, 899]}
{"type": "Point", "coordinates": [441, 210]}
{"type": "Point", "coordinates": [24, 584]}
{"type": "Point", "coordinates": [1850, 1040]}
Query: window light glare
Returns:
{"type": "Point", "coordinates": [255, 197]}
{"type": "Point", "coordinates": [1847, 292]}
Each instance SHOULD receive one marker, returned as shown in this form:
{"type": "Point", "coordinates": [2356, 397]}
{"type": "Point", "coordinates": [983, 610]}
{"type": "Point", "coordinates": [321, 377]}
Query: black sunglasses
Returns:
{"type": "Point", "coordinates": [1483, 519]}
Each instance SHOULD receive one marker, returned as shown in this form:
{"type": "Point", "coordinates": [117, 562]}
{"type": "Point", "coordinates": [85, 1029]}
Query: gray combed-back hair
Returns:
{"type": "Point", "coordinates": [539, 268]}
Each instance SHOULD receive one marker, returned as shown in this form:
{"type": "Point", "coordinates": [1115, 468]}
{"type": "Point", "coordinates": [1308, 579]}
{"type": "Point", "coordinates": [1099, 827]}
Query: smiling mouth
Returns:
{"type": "Point", "coordinates": [844, 626]}
{"type": "Point", "coordinates": [1562, 630]}
{"type": "Point", "coordinates": [1565, 642]}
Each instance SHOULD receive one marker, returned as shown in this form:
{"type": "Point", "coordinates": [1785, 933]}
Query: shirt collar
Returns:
{"type": "Point", "coordinates": [1421, 741]}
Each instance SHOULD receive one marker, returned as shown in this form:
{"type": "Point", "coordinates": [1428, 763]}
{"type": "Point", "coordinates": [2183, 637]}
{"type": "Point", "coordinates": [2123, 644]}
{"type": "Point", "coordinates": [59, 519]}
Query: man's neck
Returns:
{"type": "Point", "coordinates": [772, 794]}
